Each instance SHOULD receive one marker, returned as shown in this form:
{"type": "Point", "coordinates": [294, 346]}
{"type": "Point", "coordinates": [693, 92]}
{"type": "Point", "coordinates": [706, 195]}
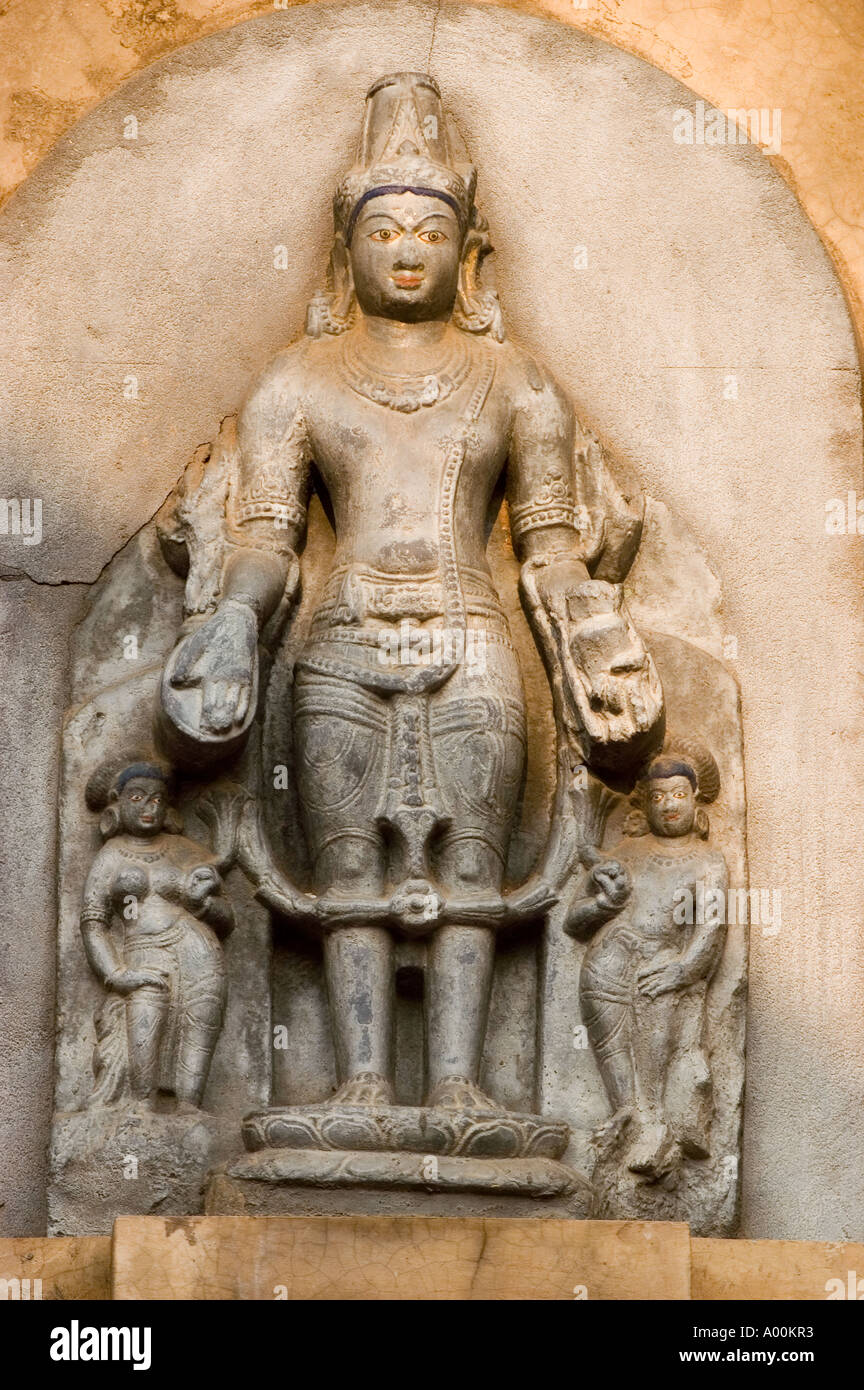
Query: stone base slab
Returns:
{"type": "Point", "coordinates": [116, 1159]}
{"type": "Point", "coordinates": [283, 1182]}
{"type": "Point", "coordinates": [406, 1129]}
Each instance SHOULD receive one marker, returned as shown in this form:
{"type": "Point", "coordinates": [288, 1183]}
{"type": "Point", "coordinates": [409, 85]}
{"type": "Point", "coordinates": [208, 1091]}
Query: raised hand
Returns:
{"type": "Point", "coordinates": [612, 882]}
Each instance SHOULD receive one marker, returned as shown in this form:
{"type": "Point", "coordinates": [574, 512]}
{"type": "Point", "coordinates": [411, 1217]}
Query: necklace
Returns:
{"type": "Point", "coordinates": [148, 856]}
{"type": "Point", "coordinates": [668, 857]}
{"type": "Point", "coordinates": [405, 391]}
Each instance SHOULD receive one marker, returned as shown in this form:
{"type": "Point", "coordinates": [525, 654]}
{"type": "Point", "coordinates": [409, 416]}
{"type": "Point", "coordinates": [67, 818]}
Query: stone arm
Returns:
{"type": "Point", "coordinates": [575, 538]}
{"type": "Point", "coordinates": [706, 943]}
{"type": "Point", "coordinates": [203, 896]}
{"type": "Point", "coordinates": [219, 914]}
{"type": "Point", "coordinates": [608, 887]}
{"type": "Point", "coordinates": [267, 505]}
{"type": "Point", "coordinates": [258, 517]}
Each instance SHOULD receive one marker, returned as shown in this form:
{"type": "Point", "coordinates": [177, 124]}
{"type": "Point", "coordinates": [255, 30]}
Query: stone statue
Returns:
{"type": "Point", "coordinates": [343, 714]}
{"type": "Point", "coordinates": [165, 977]}
{"type": "Point", "coordinates": [655, 914]}
{"type": "Point", "coordinates": [408, 408]}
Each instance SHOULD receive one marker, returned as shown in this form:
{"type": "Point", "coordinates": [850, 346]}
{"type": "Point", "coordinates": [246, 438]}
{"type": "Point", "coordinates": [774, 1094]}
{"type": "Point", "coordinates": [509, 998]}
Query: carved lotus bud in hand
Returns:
{"type": "Point", "coordinates": [199, 885]}
{"type": "Point", "coordinates": [219, 657]}
{"type": "Point", "coordinates": [612, 883]}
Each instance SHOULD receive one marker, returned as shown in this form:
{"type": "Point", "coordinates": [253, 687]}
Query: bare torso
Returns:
{"type": "Point", "coordinates": [387, 471]}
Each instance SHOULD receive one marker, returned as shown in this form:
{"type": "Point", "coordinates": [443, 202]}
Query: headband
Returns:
{"type": "Point", "coordinates": [398, 188]}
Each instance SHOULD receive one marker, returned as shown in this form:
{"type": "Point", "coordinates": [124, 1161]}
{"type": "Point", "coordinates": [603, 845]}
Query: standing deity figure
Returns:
{"type": "Point", "coordinates": [407, 407]}
{"type": "Point", "coordinates": [165, 976]}
{"type": "Point", "coordinates": [660, 906]}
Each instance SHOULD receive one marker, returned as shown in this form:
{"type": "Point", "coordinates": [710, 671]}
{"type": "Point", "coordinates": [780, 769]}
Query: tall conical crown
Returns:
{"type": "Point", "coordinates": [405, 146]}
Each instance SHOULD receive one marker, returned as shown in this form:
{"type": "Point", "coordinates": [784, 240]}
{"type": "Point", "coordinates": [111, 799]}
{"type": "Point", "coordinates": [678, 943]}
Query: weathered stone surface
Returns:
{"type": "Point", "coordinates": [706, 1192]}
{"type": "Point", "coordinates": [399, 1258]}
{"type": "Point", "coordinates": [35, 623]}
{"type": "Point", "coordinates": [292, 1182]}
{"type": "Point", "coordinates": [408, 773]}
{"type": "Point", "coordinates": [406, 1129]}
{"type": "Point", "coordinates": [132, 1161]}
{"type": "Point", "coordinates": [112, 709]}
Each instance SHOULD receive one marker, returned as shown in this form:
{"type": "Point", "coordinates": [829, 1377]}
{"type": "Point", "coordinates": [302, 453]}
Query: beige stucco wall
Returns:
{"type": "Point", "coordinates": [58, 58]}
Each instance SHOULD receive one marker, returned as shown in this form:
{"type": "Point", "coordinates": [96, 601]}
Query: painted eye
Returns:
{"type": "Point", "coordinates": [383, 234]}
{"type": "Point", "coordinates": [432, 236]}
{"type": "Point", "coordinates": [135, 796]}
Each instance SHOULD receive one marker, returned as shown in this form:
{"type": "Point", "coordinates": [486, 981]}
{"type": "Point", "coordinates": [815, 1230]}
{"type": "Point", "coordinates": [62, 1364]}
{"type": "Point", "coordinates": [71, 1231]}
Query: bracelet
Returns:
{"type": "Point", "coordinates": [244, 601]}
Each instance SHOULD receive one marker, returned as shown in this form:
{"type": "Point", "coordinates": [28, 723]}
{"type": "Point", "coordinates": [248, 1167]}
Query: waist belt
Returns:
{"type": "Point", "coordinates": [354, 594]}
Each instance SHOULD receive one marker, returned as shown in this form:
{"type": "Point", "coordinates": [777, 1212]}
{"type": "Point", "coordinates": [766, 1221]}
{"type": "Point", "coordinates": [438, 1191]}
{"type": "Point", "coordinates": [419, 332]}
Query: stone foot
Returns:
{"type": "Point", "coordinates": [694, 1141]}
{"type": "Point", "coordinates": [609, 1133]}
{"type": "Point", "coordinates": [460, 1093]}
{"type": "Point", "coordinates": [366, 1088]}
{"type": "Point", "coordinates": [650, 1150]}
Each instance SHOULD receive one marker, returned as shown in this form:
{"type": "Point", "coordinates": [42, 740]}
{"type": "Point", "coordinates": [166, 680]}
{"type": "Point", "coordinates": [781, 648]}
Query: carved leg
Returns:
{"type": "Point", "coordinates": [604, 997]}
{"type": "Point", "coordinates": [459, 980]}
{"type": "Point", "coordinates": [358, 963]}
{"type": "Point", "coordinates": [199, 1032]}
{"type": "Point", "coordinates": [689, 1090]}
{"type": "Point", "coordinates": [146, 1012]}
{"type": "Point", "coordinates": [359, 966]}
{"type": "Point", "coordinates": [652, 1050]}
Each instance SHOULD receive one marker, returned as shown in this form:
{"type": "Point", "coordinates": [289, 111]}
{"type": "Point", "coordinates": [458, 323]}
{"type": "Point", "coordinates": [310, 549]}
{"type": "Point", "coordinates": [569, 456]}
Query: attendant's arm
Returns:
{"type": "Point", "coordinates": [609, 887]}
{"type": "Point", "coordinates": [706, 943]}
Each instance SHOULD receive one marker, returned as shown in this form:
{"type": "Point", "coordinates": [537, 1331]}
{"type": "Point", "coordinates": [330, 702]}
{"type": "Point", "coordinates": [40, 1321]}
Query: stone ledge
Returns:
{"type": "Point", "coordinates": [398, 1258]}
{"type": "Point", "coordinates": [422, 1258]}
{"type": "Point", "coordinates": [57, 1267]}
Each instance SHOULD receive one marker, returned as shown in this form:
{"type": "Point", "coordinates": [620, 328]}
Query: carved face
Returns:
{"type": "Point", "coordinates": [670, 806]}
{"type": "Point", "coordinates": [405, 255]}
{"type": "Point", "coordinates": [142, 804]}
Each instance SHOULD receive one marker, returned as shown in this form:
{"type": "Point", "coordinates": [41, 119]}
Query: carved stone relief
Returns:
{"type": "Point", "coordinates": [449, 988]}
